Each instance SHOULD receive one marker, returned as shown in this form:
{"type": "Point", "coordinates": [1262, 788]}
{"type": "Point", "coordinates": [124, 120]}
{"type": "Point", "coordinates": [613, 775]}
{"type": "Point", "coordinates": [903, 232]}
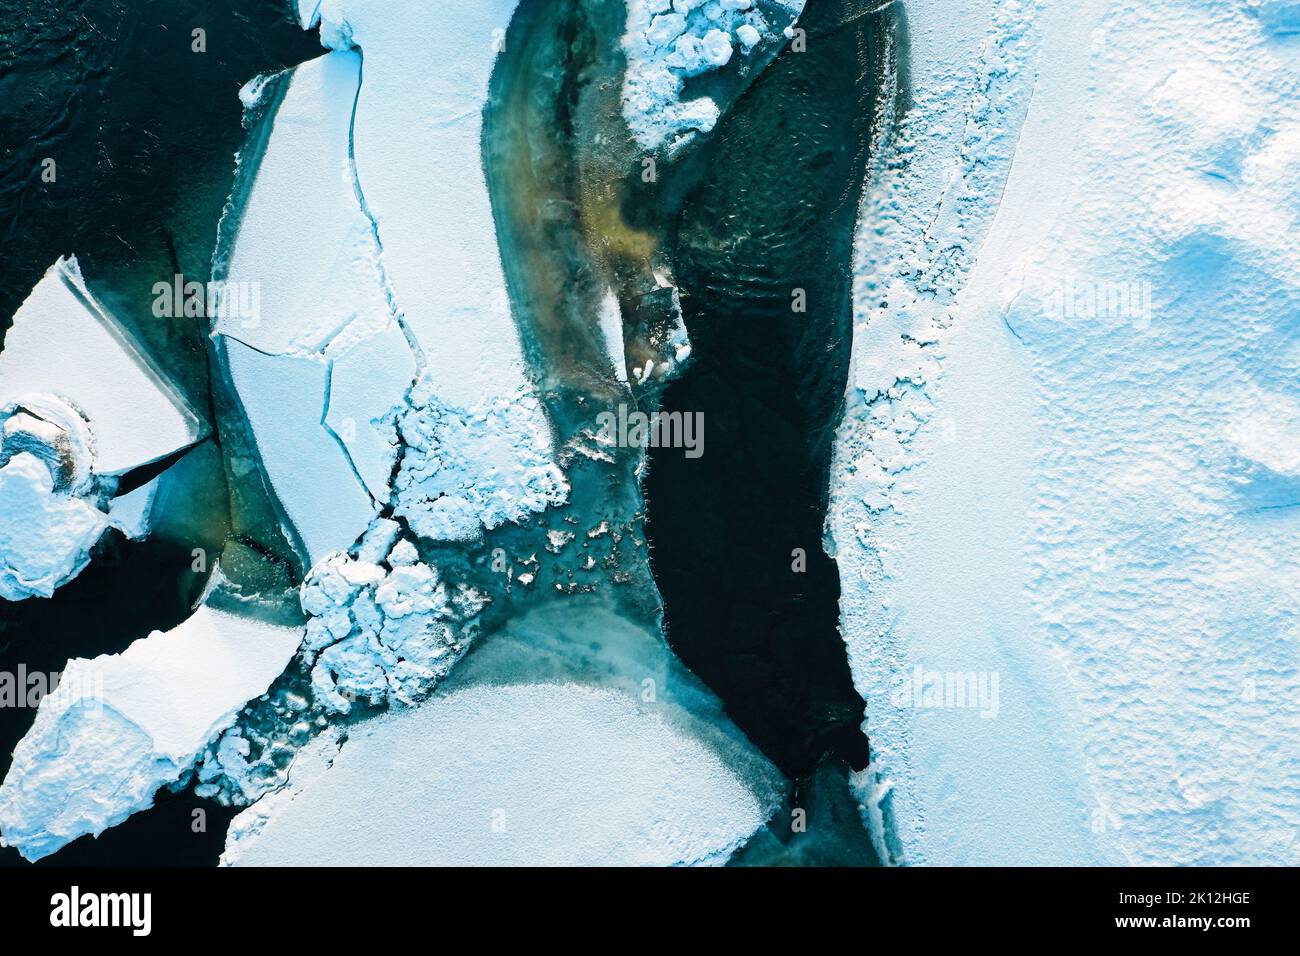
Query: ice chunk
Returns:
{"type": "Point", "coordinates": [64, 344]}
{"type": "Point", "coordinates": [45, 537]}
{"type": "Point", "coordinates": [546, 774]}
{"type": "Point", "coordinates": [119, 727]}
{"type": "Point", "coordinates": [130, 513]}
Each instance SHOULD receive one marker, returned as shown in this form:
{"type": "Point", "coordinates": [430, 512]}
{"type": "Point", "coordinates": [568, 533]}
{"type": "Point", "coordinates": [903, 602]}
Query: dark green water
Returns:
{"type": "Point", "coordinates": [751, 599]}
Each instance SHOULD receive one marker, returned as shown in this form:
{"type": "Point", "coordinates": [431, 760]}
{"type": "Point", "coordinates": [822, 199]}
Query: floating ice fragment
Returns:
{"type": "Point", "coordinates": [666, 48]}
{"type": "Point", "coordinates": [45, 537]}
{"type": "Point", "coordinates": [63, 343]}
{"type": "Point", "coordinates": [121, 726]}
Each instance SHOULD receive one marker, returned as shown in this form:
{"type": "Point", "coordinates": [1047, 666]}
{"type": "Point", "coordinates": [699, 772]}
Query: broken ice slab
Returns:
{"type": "Point", "coordinates": [80, 406]}
{"type": "Point", "coordinates": [321, 494]}
{"type": "Point", "coordinates": [325, 360]}
{"type": "Point", "coordinates": [303, 238]}
{"type": "Point", "coordinates": [64, 344]}
{"type": "Point", "coordinates": [121, 726]}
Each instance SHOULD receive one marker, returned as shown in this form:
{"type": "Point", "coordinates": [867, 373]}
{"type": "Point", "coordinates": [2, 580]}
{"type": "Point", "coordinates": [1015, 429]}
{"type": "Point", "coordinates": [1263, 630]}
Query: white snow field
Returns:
{"type": "Point", "coordinates": [80, 405]}
{"type": "Point", "coordinates": [533, 774]}
{"type": "Point", "coordinates": [1066, 506]}
{"type": "Point", "coordinates": [121, 726]}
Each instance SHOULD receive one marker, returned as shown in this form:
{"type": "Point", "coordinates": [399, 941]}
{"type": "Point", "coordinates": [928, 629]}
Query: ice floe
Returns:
{"type": "Point", "coordinates": [121, 726]}
{"type": "Point", "coordinates": [80, 406]}
{"type": "Point", "coordinates": [541, 774]}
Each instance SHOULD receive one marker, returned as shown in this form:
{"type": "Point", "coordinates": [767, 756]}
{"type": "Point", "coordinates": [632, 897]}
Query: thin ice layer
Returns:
{"type": "Point", "coordinates": [541, 774]}
{"type": "Point", "coordinates": [122, 726]}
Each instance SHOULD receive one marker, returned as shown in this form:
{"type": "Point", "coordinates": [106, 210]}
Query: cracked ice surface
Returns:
{"type": "Point", "coordinates": [419, 162]}
{"type": "Point", "coordinates": [327, 360]}
{"type": "Point", "coordinates": [399, 277]}
{"type": "Point", "coordinates": [542, 774]}
{"type": "Point", "coordinates": [670, 41]}
{"type": "Point", "coordinates": [122, 726]}
{"type": "Point", "coordinates": [79, 406]}
{"type": "Point", "coordinates": [1097, 503]}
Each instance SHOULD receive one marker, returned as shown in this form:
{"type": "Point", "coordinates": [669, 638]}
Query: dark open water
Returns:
{"type": "Point", "coordinates": [774, 214]}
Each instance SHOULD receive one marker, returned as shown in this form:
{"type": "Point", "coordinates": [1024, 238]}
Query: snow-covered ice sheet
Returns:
{"type": "Point", "coordinates": [533, 774]}
{"type": "Point", "coordinates": [1063, 476]}
{"type": "Point", "coordinates": [122, 726]}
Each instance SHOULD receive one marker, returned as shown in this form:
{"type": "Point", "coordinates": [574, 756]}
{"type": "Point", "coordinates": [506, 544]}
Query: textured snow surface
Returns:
{"type": "Point", "coordinates": [1095, 502]}
{"type": "Point", "coordinates": [668, 42]}
{"type": "Point", "coordinates": [124, 725]}
{"type": "Point", "coordinates": [542, 774]}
